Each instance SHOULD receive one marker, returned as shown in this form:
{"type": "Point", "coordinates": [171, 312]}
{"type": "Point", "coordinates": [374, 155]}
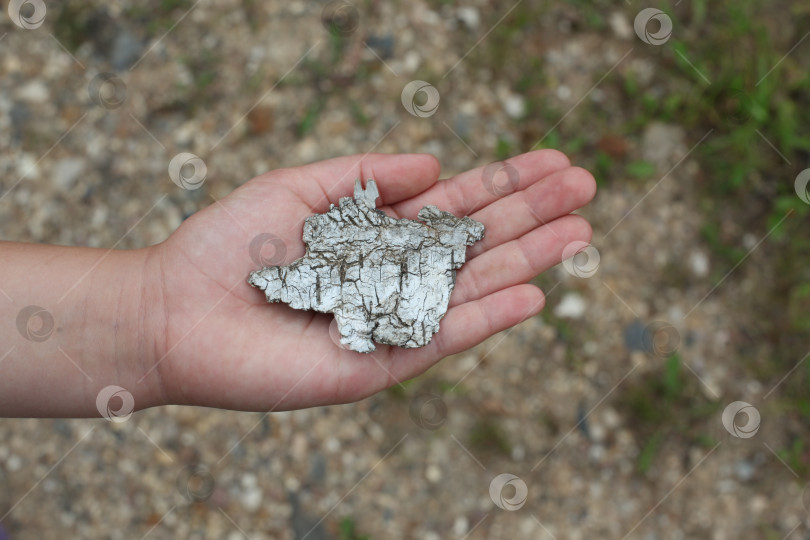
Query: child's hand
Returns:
{"type": "Point", "coordinates": [220, 344]}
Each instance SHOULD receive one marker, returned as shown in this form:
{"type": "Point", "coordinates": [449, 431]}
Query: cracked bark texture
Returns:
{"type": "Point", "coordinates": [386, 280]}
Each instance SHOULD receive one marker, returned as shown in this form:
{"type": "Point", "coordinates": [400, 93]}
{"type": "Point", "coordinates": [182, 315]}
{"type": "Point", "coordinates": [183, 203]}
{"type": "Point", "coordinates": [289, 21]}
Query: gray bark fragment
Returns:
{"type": "Point", "coordinates": [386, 280]}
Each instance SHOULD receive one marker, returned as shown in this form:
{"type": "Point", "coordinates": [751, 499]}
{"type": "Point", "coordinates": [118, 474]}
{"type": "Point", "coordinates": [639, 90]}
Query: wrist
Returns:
{"type": "Point", "coordinates": [146, 337]}
{"type": "Point", "coordinates": [120, 332]}
{"type": "Point", "coordinates": [95, 323]}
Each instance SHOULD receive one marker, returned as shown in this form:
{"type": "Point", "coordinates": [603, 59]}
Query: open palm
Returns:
{"type": "Point", "coordinates": [223, 345]}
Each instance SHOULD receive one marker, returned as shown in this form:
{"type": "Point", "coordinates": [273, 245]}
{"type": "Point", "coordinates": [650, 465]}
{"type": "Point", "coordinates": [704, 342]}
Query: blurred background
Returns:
{"type": "Point", "coordinates": [662, 393]}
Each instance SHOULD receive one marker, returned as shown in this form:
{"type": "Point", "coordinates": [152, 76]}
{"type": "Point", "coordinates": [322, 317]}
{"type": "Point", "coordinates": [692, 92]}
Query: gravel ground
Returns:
{"type": "Point", "coordinates": [558, 402]}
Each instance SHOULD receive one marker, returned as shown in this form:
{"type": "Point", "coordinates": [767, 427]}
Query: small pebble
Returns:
{"type": "Point", "coordinates": [13, 463]}
{"type": "Point", "coordinates": [251, 499]}
{"type": "Point", "coordinates": [571, 306]}
{"type": "Point", "coordinates": [469, 16]}
{"type": "Point", "coordinates": [33, 92]}
{"type": "Point", "coordinates": [461, 525]}
{"type": "Point", "coordinates": [563, 92]}
{"type": "Point", "coordinates": [514, 105]}
{"type": "Point", "coordinates": [331, 445]}
{"type": "Point", "coordinates": [411, 61]}
{"type": "Point", "coordinates": [620, 25]}
{"type": "Point", "coordinates": [433, 473]}
{"type": "Point", "coordinates": [66, 172]}
{"type": "Point", "coordinates": [699, 263]}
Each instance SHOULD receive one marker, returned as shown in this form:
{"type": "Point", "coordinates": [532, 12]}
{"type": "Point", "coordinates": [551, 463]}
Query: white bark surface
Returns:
{"type": "Point", "coordinates": [386, 280]}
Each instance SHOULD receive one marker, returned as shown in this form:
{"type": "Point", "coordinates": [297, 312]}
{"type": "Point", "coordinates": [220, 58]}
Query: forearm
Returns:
{"type": "Point", "coordinates": [97, 328]}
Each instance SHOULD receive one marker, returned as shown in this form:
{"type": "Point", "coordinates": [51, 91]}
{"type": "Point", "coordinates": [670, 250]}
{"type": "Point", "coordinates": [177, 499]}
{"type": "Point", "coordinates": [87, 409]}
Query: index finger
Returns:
{"type": "Point", "coordinates": [470, 191]}
{"type": "Point", "coordinates": [398, 177]}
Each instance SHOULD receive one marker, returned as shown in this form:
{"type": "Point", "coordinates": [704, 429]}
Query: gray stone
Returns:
{"type": "Point", "coordinates": [383, 46]}
{"type": "Point", "coordinates": [126, 50]}
{"type": "Point", "coordinates": [635, 336]}
{"type": "Point", "coordinates": [67, 171]}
